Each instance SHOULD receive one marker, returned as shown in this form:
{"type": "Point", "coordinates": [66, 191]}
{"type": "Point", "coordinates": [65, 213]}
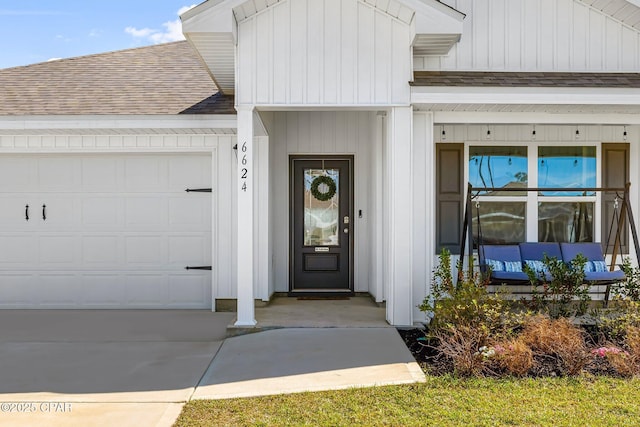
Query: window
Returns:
{"type": "Point", "coordinates": [557, 215]}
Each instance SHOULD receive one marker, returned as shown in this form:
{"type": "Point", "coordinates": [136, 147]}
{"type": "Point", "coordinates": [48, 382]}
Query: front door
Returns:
{"type": "Point", "coordinates": [321, 224]}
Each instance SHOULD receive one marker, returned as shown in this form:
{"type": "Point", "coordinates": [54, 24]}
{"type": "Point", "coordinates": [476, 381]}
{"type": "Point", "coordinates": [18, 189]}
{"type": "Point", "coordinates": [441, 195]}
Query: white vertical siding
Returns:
{"type": "Point", "coordinates": [538, 35]}
{"type": "Point", "coordinates": [323, 52]}
{"type": "Point", "coordinates": [322, 133]}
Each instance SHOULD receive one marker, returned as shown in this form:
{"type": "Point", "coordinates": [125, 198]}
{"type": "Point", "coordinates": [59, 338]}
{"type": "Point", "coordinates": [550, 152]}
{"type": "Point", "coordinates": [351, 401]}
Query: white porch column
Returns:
{"type": "Point", "coordinates": [398, 165]}
{"type": "Point", "coordinates": [246, 235]}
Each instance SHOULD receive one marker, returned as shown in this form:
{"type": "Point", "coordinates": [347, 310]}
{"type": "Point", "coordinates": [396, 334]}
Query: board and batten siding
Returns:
{"type": "Point", "coordinates": [329, 133]}
{"type": "Point", "coordinates": [538, 35]}
{"type": "Point", "coordinates": [323, 52]}
{"type": "Point", "coordinates": [223, 179]}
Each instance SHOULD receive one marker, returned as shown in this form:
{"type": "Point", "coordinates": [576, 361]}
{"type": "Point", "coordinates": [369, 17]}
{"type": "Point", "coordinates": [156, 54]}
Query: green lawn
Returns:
{"type": "Point", "coordinates": [439, 402]}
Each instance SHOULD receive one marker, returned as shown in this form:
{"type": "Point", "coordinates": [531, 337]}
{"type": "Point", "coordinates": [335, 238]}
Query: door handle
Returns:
{"type": "Point", "coordinates": [26, 213]}
{"type": "Point", "coordinates": [44, 212]}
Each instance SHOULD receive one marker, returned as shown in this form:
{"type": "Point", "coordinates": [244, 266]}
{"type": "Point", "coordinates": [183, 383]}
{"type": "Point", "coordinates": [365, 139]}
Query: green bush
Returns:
{"type": "Point", "coordinates": [629, 289]}
{"type": "Point", "coordinates": [566, 293]}
{"type": "Point", "coordinates": [465, 302]}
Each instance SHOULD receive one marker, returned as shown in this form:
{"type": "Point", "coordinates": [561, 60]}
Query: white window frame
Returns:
{"type": "Point", "coordinates": [532, 198]}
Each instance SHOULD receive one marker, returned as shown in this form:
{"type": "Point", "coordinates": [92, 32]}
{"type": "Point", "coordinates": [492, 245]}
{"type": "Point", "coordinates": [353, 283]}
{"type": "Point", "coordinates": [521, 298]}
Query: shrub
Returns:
{"type": "Point", "coordinates": [514, 357]}
{"type": "Point", "coordinates": [629, 289]}
{"type": "Point", "coordinates": [566, 293]}
{"type": "Point", "coordinates": [460, 345]}
{"type": "Point", "coordinates": [466, 303]}
{"type": "Point", "coordinates": [559, 339]}
{"type": "Point", "coordinates": [614, 324]}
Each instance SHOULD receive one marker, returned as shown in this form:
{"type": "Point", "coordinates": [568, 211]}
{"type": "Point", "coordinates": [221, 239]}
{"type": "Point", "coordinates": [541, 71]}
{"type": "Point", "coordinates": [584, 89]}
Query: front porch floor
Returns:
{"type": "Point", "coordinates": [291, 312]}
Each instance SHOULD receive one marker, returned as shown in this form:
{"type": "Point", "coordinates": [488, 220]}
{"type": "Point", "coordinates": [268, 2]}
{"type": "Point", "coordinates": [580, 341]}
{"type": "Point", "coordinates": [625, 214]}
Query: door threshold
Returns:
{"type": "Point", "coordinates": [323, 294]}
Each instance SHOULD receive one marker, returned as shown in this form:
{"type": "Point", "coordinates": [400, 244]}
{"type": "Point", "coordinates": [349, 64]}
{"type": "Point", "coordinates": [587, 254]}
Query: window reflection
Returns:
{"type": "Point", "coordinates": [500, 223]}
{"type": "Point", "coordinates": [498, 167]}
{"type": "Point", "coordinates": [565, 222]}
{"type": "Point", "coordinates": [566, 167]}
{"type": "Point", "coordinates": [321, 217]}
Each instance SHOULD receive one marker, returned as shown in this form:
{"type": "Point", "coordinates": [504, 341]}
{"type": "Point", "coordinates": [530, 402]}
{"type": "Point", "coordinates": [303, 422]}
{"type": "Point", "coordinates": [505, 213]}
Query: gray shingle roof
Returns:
{"type": "Point", "coordinates": [161, 79]}
{"type": "Point", "coordinates": [534, 79]}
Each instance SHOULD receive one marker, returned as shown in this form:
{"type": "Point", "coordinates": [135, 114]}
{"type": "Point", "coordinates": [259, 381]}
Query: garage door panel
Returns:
{"type": "Point", "coordinates": [59, 174]}
{"type": "Point", "coordinates": [189, 250]}
{"type": "Point", "coordinates": [16, 288]}
{"type": "Point", "coordinates": [146, 213]}
{"type": "Point", "coordinates": [145, 174]}
{"type": "Point", "coordinates": [189, 213]}
{"type": "Point", "coordinates": [103, 290]}
{"type": "Point", "coordinates": [14, 213]}
{"type": "Point", "coordinates": [57, 212]}
{"type": "Point", "coordinates": [17, 175]}
{"type": "Point", "coordinates": [189, 172]}
{"type": "Point", "coordinates": [147, 290]}
{"type": "Point", "coordinates": [146, 250]}
{"type": "Point", "coordinates": [102, 174]}
{"type": "Point", "coordinates": [190, 290]}
{"type": "Point", "coordinates": [58, 251]}
{"type": "Point", "coordinates": [119, 231]}
{"type": "Point", "coordinates": [101, 213]}
{"type": "Point", "coordinates": [58, 290]}
{"type": "Point", "coordinates": [101, 251]}
{"type": "Point", "coordinates": [18, 250]}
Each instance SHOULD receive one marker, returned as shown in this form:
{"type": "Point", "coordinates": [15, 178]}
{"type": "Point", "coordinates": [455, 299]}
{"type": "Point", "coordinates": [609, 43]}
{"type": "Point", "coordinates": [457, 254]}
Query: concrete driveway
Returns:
{"type": "Point", "coordinates": [138, 368]}
{"type": "Point", "coordinates": [108, 368]}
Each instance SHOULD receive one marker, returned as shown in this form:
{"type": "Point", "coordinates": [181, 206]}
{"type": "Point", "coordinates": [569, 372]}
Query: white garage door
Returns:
{"type": "Point", "coordinates": [104, 231]}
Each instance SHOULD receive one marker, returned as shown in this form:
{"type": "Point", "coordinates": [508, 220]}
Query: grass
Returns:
{"type": "Point", "coordinates": [441, 401]}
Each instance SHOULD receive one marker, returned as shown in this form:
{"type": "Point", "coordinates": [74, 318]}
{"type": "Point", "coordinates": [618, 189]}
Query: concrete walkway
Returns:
{"type": "Point", "coordinates": [138, 368]}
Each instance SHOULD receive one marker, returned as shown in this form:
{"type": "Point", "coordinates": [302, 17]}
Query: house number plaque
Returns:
{"type": "Point", "coordinates": [244, 175]}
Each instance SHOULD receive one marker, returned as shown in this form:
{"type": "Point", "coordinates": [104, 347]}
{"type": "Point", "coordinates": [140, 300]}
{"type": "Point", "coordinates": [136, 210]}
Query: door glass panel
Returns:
{"type": "Point", "coordinates": [321, 207]}
{"type": "Point", "coordinates": [565, 222]}
{"type": "Point", "coordinates": [500, 223]}
{"type": "Point", "coordinates": [566, 167]}
{"type": "Point", "coordinates": [498, 167]}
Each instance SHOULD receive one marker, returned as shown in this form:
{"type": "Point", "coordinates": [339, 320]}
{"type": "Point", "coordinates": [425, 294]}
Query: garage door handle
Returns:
{"type": "Point", "coordinates": [44, 212]}
{"type": "Point", "coordinates": [26, 213]}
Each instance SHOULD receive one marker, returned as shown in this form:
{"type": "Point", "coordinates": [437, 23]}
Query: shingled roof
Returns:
{"type": "Point", "coordinates": [160, 79]}
{"type": "Point", "coordinates": [531, 79]}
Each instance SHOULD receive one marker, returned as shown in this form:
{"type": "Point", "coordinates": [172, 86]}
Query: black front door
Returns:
{"type": "Point", "coordinates": [321, 224]}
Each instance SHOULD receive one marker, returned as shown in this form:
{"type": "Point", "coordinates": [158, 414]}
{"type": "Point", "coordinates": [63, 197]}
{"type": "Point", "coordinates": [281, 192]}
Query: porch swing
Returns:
{"type": "Point", "coordinates": [504, 262]}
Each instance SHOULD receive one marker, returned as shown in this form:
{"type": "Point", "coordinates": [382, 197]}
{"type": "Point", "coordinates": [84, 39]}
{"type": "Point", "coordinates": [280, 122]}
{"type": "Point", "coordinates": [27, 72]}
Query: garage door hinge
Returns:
{"type": "Point", "coordinates": [205, 267]}
{"type": "Point", "coordinates": [198, 190]}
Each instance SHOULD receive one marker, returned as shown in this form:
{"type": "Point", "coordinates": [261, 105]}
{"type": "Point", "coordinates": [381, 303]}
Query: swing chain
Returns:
{"type": "Point", "coordinates": [616, 203]}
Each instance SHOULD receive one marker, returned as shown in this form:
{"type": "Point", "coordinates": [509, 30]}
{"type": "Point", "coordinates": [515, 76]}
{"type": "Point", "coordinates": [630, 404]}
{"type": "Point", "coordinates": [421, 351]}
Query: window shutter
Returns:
{"type": "Point", "coordinates": [449, 196]}
{"type": "Point", "coordinates": [615, 173]}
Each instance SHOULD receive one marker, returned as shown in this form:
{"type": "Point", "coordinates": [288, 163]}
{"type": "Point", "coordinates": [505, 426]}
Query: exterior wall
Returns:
{"type": "Point", "coordinates": [223, 179]}
{"type": "Point", "coordinates": [538, 35]}
{"type": "Point", "coordinates": [323, 52]}
{"type": "Point", "coordinates": [521, 134]}
{"type": "Point", "coordinates": [323, 133]}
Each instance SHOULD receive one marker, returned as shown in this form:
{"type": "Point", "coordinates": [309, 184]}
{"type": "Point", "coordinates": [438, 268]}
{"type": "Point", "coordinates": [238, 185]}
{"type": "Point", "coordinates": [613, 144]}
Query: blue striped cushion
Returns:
{"type": "Point", "coordinates": [536, 265]}
{"type": "Point", "coordinates": [494, 264]}
{"type": "Point", "coordinates": [513, 266]}
{"type": "Point", "coordinates": [599, 266]}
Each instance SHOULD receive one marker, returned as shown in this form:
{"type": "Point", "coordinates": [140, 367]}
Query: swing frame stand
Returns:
{"type": "Point", "coordinates": [626, 214]}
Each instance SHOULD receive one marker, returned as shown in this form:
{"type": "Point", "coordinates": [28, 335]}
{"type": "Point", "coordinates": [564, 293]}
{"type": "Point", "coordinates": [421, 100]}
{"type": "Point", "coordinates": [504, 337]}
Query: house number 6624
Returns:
{"type": "Point", "coordinates": [245, 172]}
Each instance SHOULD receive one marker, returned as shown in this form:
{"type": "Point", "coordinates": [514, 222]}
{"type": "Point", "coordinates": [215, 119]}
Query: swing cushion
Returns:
{"type": "Point", "coordinates": [507, 260]}
{"type": "Point", "coordinates": [596, 269]}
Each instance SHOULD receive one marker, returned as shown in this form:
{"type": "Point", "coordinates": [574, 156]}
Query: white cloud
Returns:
{"type": "Point", "coordinates": [172, 30]}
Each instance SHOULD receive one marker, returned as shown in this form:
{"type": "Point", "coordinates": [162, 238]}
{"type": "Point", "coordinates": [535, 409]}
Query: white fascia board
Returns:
{"type": "Point", "coordinates": [472, 117]}
{"type": "Point", "coordinates": [536, 95]}
{"type": "Point", "coordinates": [433, 17]}
{"type": "Point", "coordinates": [214, 17]}
{"type": "Point", "coordinates": [200, 121]}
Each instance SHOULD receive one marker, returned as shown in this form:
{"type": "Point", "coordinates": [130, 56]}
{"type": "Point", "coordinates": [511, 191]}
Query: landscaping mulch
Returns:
{"type": "Point", "coordinates": [425, 351]}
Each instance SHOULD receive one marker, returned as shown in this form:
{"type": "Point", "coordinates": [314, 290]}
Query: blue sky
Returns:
{"type": "Point", "coordinates": [34, 31]}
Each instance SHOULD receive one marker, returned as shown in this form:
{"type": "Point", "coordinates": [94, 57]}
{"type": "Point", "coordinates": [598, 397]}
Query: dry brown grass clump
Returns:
{"type": "Point", "coordinates": [460, 345]}
{"type": "Point", "coordinates": [560, 339]}
{"type": "Point", "coordinates": [514, 357]}
{"type": "Point", "coordinates": [627, 363]}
